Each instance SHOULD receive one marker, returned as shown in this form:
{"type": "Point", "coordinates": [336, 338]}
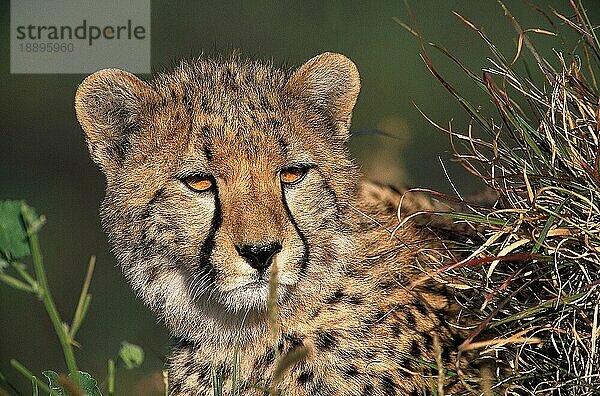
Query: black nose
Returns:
{"type": "Point", "coordinates": [259, 256]}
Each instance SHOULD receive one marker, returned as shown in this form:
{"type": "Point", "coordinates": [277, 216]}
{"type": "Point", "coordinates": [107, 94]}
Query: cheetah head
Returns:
{"type": "Point", "coordinates": [221, 175]}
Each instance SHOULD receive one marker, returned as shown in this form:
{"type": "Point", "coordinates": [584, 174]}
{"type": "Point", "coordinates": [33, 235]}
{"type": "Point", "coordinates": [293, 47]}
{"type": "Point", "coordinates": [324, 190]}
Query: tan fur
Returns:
{"type": "Point", "coordinates": [342, 277]}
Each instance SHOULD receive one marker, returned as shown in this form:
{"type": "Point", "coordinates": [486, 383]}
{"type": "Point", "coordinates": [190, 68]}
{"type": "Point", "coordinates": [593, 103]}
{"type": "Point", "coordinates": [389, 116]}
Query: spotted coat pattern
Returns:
{"type": "Point", "coordinates": [344, 302]}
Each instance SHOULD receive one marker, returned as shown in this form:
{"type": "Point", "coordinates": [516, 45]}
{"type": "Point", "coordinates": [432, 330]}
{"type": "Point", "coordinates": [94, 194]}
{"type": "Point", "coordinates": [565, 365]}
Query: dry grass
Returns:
{"type": "Point", "coordinates": [530, 278]}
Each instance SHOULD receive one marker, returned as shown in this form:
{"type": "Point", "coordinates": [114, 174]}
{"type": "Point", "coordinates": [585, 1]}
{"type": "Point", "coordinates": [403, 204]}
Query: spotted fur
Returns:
{"type": "Point", "coordinates": [342, 292]}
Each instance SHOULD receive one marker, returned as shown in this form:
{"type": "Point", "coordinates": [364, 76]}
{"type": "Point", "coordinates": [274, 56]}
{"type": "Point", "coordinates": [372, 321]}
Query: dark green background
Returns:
{"type": "Point", "coordinates": [44, 160]}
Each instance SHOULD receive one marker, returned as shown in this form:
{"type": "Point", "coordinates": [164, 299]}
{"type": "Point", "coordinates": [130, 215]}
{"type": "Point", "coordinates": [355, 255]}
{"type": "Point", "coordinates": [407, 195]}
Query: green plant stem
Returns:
{"type": "Point", "coordinates": [4, 382]}
{"type": "Point", "coordinates": [272, 309]}
{"type": "Point", "coordinates": [235, 391]}
{"type": "Point", "coordinates": [44, 291]}
{"type": "Point", "coordinates": [111, 377]}
{"type": "Point", "coordinates": [84, 300]}
{"type": "Point", "coordinates": [589, 26]}
{"type": "Point", "coordinates": [20, 268]}
{"type": "Point", "coordinates": [23, 370]}
{"type": "Point", "coordinates": [16, 283]}
{"type": "Point", "coordinates": [166, 381]}
{"type": "Point", "coordinates": [34, 384]}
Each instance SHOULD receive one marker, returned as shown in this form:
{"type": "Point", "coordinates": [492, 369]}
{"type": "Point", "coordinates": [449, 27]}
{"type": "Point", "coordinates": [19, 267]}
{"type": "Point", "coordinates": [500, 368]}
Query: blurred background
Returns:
{"type": "Point", "coordinates": [44, 159]}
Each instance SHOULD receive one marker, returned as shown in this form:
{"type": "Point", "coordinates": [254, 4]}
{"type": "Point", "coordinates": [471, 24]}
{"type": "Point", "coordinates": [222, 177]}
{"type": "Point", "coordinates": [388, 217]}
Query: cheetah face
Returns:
{"type": "Point", "coordinates": [221, 176]}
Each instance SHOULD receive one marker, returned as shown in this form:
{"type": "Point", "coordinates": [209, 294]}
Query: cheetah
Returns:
{"type": "Point", "coordinates": [237, 214]}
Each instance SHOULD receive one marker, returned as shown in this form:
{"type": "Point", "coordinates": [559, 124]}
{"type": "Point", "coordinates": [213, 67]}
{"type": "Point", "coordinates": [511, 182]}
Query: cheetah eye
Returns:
{"type": "Point", "coordinates": [198, 183]}
{"type": "Point", "coordinates": [292, 175]}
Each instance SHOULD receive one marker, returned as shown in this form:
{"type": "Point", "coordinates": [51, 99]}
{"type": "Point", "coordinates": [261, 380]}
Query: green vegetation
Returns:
{"type": "Point", "coordinates": [19, 227]}
{"type": "Point", "coordinates": [526, 269]}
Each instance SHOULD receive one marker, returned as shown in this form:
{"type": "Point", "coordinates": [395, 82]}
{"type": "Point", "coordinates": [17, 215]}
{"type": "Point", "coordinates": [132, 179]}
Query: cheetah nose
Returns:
{"type": "Point", "coordinates": [259, 256]}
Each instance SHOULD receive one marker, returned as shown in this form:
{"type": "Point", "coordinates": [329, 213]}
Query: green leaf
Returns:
{"type": "Point", "coordinates": [53, 381]}
{"type": "Point", "coordinates": [87, 383]}
{"type": "Point", "coordinates": [13, 234]}
{"type": "Point", "coordinates": [132, 355]}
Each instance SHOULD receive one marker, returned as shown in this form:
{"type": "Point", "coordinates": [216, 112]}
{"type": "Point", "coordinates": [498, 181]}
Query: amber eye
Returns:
{"type": "Point", "coordinates": [292, 175]}
{"type": "Point", "coordinates": [198, 182]}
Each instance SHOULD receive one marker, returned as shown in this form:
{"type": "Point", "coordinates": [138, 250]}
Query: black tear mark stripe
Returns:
{"type": "Point", "coordinates": [306, 255]}
{"type": "Point", "coordinates": [209, 243]}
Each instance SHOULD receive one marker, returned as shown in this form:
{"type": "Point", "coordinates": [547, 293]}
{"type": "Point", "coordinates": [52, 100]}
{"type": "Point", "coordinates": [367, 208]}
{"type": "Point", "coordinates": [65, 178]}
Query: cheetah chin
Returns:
{"type": "Point", "coordinates": [224, 173]}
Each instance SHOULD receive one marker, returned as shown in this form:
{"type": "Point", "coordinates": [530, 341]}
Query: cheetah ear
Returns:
{"type": "Point", "coordinates": [331, 81]}
{"type": "Point", "coordinates": [108, 105]}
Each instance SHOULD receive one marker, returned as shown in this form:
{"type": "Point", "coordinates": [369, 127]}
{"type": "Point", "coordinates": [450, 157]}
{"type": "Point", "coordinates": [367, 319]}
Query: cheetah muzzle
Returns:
{"type": "Point", "coordinates": [223, 174]}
